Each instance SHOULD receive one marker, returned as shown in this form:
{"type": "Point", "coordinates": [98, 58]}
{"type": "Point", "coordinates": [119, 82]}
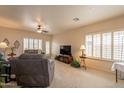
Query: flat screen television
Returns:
{"type": "Point", "coordinates": [65, 50]}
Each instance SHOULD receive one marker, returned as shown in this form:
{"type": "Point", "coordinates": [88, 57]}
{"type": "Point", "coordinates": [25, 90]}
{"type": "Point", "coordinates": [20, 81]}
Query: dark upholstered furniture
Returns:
{"type": "Point", "coordinates": [33, 70]}
{"type": "Point", "coordinates": [31, 51]}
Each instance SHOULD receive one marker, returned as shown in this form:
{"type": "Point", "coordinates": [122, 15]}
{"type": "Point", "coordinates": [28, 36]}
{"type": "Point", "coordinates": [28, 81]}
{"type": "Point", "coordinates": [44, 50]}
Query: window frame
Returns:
{"type": "Point", "coordinates": [91, 44]}
{"type": "Point", "coordinates": [109, 46]}
{"type": "Point", "coordinates": [29, 43]}
{"type": "Point", "coordinates": [112, 45]}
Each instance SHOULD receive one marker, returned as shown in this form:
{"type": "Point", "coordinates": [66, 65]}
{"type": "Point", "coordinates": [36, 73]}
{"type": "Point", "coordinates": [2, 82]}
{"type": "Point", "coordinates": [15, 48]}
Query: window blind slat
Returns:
{"type": "Point", "coordinates": [118, 45]}
{"type": "Point", "coordinates": [110, 47]}
{"type": "Point", "coordinates": [106, 45]}
{"type": "Point", "coordinates": [29, 43]}
{"type": "Point", "coordinates": [96, 45]}
{"type": "Point", "coordinates": [89, 45]}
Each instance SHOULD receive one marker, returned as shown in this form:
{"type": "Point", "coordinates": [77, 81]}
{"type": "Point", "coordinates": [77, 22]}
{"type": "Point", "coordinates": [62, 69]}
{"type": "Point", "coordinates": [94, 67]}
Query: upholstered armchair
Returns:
{"type": "Point", "coordinates": [33, 70]}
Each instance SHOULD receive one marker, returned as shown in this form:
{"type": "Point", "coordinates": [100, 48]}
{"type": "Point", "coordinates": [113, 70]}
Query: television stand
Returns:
{"type": "Point", "coordinates": [64, 58]}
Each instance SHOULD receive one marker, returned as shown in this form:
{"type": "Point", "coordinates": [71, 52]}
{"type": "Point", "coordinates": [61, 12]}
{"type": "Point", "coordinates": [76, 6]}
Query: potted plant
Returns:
{"type": "Point", "coordinates": [75, 63]}
{"type": "Point", "coordinates": [1, 64]}
{"type": "Point", "coordinates": [1, 78]}
{"type": "Point", "coordinates": [12, 54]}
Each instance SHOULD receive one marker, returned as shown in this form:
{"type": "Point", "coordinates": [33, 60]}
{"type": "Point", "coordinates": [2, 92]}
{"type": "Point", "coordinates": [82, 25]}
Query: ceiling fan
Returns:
{"type": "Point", "coordinates": [41, 29]}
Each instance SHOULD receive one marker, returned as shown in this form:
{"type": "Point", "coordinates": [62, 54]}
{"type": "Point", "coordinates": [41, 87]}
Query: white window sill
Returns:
{"type": "Point", "coordinates": [93, 58]}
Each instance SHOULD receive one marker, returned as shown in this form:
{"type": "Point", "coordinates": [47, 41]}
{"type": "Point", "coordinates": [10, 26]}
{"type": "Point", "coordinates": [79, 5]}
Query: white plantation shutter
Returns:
{"type": "Point", "coordinates": [96, 45]}
{"type": "Point", "coordinates": [118, 45]}
{"type": "Point", "coordinates": [106, 45]}
{"type": "Point", "coordinates": [30, 43]}
{"type": "Point", "coordinates": [109, 45]}
{"type": "Point", "coordinates": [40, 44]}
{"type": "Point", "coordinates": [36, 44]}
{"type": "Point", "coordinates": [25, 43]}
{"type": "Point", "coordinates": [89, 45]}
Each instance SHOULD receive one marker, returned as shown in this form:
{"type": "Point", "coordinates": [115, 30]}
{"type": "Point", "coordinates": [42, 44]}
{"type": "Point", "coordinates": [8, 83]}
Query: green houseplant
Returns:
{"type": "Point", "coordinates": [1, 57]}
{"type": "Point", "coordinates": [1, 78]}
{"type": "Point", "coordinates": [1, 65]}
{"type": "Point", "coordinates": [75, 63]}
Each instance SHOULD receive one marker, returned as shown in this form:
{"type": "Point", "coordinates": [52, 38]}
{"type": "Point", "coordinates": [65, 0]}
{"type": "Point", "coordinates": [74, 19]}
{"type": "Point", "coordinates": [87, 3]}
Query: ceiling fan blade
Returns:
{"type": "Point", "coordinates": [44, 31]}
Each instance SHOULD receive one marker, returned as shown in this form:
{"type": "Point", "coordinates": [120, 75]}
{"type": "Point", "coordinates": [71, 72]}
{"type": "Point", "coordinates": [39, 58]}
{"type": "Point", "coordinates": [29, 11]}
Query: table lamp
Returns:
{"type": "Point", "coordinates": [83, 50]}
{"type": "Point", "coordinates": [3, 45]}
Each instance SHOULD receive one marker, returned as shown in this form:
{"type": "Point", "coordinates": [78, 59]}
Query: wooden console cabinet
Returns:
{"type": "Point", "coordinates": [64, 58]}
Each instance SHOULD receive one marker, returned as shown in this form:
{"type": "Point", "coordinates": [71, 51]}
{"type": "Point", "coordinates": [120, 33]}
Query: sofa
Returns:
{"type": "Point", "coordinates": [33, 70]}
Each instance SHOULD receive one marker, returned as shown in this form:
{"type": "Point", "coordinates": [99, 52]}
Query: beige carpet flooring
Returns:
{"type": "Point", "coordinates": [69, 77]}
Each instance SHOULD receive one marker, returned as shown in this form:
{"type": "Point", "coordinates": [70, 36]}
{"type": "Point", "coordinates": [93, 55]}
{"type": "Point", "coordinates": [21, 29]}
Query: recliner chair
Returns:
{"type": "Point", "coordinates": [33, 70]}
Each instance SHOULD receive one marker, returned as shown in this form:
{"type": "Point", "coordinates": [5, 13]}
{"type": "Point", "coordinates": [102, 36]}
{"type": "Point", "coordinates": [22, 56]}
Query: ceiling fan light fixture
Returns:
{"type": "Point", "coordinates": [39, 31]}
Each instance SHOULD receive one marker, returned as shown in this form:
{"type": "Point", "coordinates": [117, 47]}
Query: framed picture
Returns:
{"type": "Point", "coordinates": [16, 44]}
{"type": "Point", "coordinates": [6, 41]}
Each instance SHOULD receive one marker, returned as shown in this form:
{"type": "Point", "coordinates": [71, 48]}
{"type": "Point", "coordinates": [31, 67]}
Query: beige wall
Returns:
{"type": "Point", "coordinates": [13, 34]}
{"type": "Point", "coordinates": [77, 37]}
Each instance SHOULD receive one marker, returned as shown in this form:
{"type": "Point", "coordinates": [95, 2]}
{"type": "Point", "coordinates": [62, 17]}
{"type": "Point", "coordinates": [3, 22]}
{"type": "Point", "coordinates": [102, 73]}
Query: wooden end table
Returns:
{"type": "Point", "coordinates": [83, 61]}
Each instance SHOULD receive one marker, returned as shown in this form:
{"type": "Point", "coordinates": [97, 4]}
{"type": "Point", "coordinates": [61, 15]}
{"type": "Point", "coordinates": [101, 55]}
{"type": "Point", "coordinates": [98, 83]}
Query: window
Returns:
{"type": "Point", "coordinates": [30, 43]}
{"type": "Point", "coordinates": [47, 47]}
{"type": "Point", "coordinates": [89, 45]}
{"type": "Point", "coordinates": [106, 45]}
{"type": "Point", "coordinates": [36, 45]}
{"type": "Point", "coordinates": [25, 43]}
{"type": "Point", "coordinates": [40, 44]}
{"type": "Point", "coordinates": [109, 45]}
{"type": "Point", "coordinates": [118, 45]}
{"type": "Point", "coordinates": [96, 45]}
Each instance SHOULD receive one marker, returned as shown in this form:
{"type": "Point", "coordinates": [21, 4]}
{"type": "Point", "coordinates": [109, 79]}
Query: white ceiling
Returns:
{"type": "Point", "coordinates": [56, 18]}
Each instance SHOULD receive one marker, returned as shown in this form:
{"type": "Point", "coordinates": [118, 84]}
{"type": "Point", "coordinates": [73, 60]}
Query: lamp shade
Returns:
{"type": "Point", "coordinates": [82, 47]}
{"type": "Point", "coordinates": [3, 45]}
